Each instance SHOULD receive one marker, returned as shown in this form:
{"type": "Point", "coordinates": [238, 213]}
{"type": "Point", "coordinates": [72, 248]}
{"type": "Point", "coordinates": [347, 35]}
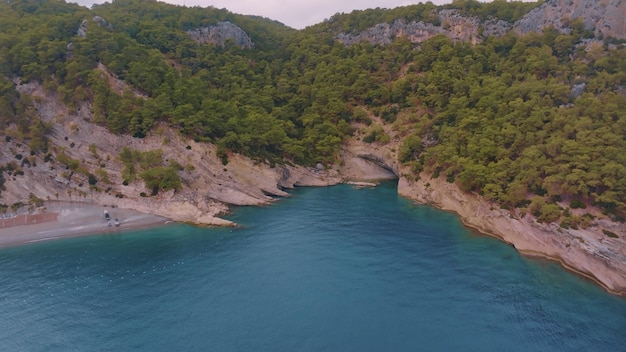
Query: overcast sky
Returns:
{"type": "Point", "coordinates": [294, 13]}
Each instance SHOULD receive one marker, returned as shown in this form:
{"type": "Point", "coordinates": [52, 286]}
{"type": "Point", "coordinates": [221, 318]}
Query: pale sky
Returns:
{"type": "Point", "coordinates": [294, 13]}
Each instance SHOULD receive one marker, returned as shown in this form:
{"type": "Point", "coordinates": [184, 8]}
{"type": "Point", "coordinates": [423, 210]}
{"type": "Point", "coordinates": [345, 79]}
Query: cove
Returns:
{"type": "Point", "coordinates": [328, 269]}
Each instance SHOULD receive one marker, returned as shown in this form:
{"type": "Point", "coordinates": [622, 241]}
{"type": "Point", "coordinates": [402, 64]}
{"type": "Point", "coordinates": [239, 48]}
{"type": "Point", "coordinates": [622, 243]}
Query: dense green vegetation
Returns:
{"type": "Point", "coordinates": [150, 168]}
{"type": "Point", "coordinates": [508, 125]}
{"type": "Point", "coordinates": [499, 118]}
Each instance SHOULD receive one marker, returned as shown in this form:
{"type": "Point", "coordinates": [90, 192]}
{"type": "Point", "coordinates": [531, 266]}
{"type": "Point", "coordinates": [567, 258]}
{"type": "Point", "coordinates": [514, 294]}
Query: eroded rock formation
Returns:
{"type": "Point", "coordinates": [220, 34]}
{"type": "Point", "coordinates": [82, 28]}
{"type": "Point", "coordinates": [453, 25]}
{"type": "Point", "coordinates": [606, 17]}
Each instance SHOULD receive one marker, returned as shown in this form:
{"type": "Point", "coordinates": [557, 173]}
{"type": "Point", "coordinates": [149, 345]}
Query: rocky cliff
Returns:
{"type": "Point", "coordinates": [453, 25]}
{"type": "Point", "coordinates": [220, 34]}
{"type": "Point", "coordinates": [604, 17]}
{"type": "Point", "coordinates": [588, 251]}
{"type": "Point", "coordinates": [209, 187]}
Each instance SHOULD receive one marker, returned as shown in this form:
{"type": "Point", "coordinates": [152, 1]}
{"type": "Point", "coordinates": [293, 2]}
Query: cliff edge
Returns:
{"type": "Point", "coordinates": [586, 251]}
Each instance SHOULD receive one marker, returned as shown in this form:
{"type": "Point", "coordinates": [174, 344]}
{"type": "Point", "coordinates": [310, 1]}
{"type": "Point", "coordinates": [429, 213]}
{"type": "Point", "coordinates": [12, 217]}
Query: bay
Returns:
{"type": "Point", "coordinates": [328, 269]}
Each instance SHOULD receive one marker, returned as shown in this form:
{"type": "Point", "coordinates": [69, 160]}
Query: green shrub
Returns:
{"type": "Point", "coordinates": [91, 179]}
{"type": "Point", "coordinates": [577, 204]}
{"type": "Point", "coordinates": [410, 148]}
{"type": "Point", "coordinates": [160, 178]}
{"type": "Point", "coordinates": [93, 149]}
{"type": "Point", "coordinates": [549, 212]}
{"type": "Point", "coordinates": [103, 175]}
{"type": "Point", "coordinates": [71, 164]}
{"type": "Point", "coordinates": [175, 165]}
{"type": "Point", "coordinates": [150, 159]}
{"type": "Point", "coordinates": [34, 200]}
{"type": "Point", "coordinates": [570, 222]}
{"type": "Point", "coordinates": [376, 134]}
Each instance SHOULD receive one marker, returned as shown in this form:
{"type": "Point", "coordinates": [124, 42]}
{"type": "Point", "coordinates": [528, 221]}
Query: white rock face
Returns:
{"type": "Point", "coordinates": [220, 33]}
{"type": "Point", "coordinates": [453, 25]}
{"type": "Point", "coordinates": [606, 17]}
{"type": "Point", "coordinates": [208, 185]}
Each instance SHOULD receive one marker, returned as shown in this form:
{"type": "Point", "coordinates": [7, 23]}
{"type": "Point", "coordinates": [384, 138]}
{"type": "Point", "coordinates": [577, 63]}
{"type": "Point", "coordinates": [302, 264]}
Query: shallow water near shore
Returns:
{"type": "Point", "coordinates": [329, 269]}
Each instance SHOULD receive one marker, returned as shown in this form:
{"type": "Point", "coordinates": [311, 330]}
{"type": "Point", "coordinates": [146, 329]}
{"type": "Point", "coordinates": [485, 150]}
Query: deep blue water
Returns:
{"type": "Point", "coordinates": [329, 269]}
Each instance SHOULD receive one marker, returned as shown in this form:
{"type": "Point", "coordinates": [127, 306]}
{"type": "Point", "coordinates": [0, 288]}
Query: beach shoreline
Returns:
{"type": "Point", "coordinates": [64, 220]}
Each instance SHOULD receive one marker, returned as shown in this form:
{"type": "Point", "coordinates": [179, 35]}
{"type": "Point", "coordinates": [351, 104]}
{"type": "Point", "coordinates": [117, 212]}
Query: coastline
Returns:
{"type": "Point", "coordinates": [210, 187]}
{"type": "Point", "coordinates": [74, 220]}
{"type": "Point", "coordinates": [585, 252]}
{"type": "Point", "coordinates": [542, 255]}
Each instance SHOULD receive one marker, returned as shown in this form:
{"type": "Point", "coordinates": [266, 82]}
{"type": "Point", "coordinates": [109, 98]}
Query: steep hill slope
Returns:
{"type": "Point", "coordinates": [208, 187]}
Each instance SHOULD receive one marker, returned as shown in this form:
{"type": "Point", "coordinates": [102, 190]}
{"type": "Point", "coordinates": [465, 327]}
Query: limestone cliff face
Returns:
{"type": "Point", "coordinates": [453, 25]}
{"type": "Point", "coordinates": [588, 252]}
{"type": "Point", "coordinates": [385, 33]}
{"type": "Point", "coordinates": [606, 17]}
{"type": "Point", "coordinates": [209, 187]}
{"type": "Point", "coordinates": [221, 33]}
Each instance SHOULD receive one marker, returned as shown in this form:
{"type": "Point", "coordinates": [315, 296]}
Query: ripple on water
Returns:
{"type": "Point", "coordinates": [327, 269]}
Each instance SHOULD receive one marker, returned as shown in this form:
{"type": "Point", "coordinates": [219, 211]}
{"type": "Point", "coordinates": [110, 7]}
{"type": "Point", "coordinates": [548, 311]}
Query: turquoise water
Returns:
{"type": "Point", "coordinates": [329, 269]}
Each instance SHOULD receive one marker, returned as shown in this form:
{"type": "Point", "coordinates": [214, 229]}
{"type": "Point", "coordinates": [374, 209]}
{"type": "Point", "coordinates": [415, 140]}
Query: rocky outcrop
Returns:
{"type": "Point", "coordinates": [470, 29]}
{"type": "Point", "coordinates": [385, 33]}
{"type": "Point", "coordinates": [453, 25]}
{"type": "Point", "coordinates": [589, 252]}
{"type": "Point", "coordinates": [209, 187]}
{"type": "Point", "coordinates": [220, 34]}
{"type": "Point", "coordinates": [606, 17]}
{"type": "Point", "coordinates": [82, 28]}
{"type": "Point", "coordinates": [586, 251]}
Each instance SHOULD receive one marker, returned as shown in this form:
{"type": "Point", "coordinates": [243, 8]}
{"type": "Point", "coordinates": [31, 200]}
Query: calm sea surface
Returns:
{"type": "Point", "coordinates": [329, 269]}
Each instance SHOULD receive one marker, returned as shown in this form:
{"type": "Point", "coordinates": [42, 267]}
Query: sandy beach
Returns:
{"type": "Point", "coordinates": [62, 220]}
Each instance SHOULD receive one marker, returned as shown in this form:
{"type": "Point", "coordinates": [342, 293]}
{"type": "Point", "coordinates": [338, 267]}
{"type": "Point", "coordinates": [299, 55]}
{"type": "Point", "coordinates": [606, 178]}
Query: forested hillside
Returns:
{"type": "Point", "coordinates": [524, 121]}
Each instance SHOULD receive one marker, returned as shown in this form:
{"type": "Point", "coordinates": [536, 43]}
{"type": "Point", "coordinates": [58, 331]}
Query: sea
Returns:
{"type": "Point", "coordinates": [326, 269]}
